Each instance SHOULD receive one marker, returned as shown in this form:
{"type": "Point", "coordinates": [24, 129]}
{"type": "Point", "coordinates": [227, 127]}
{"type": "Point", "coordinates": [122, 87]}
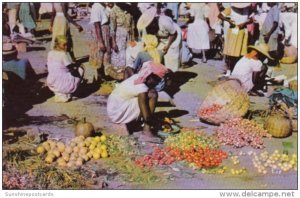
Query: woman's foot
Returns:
{"type": "Point", "coordinates": [148, 136]}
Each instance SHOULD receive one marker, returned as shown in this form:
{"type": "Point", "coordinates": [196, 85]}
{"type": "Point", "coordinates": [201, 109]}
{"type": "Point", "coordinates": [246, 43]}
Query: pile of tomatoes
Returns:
{"type": "Point", "coordinates": [204, 157]}
{"type": "Point", "coordinates": [210, 110]}
{"type": "Point", "coordinates": [200, 157]}
{"type": "Point", "coordinates": [160, 156]}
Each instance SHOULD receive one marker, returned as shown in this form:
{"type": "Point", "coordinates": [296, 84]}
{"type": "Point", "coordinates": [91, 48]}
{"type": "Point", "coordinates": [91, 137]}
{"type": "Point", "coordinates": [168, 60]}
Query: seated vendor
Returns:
{"type": "Point", "coordinates": [251, 71]}
{"type": "Point", "coordinates": [17, 69]}
{"type": "Point", "coordinates": [135, 98]}
{"type": "Point", "coordinates": [63, 77]}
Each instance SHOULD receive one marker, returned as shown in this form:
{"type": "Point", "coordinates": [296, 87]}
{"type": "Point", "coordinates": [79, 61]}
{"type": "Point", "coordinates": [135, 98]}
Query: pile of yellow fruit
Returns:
{"type": "Point", "coordinates": [76, 152]}
{"type": "Point", "coordinates": [275, 161]}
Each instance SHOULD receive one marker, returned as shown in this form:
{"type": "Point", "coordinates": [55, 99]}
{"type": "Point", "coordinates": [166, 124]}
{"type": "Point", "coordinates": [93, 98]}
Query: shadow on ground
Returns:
{"type": "Point", "coordinates": [178, 79]}
{"type": "Point", "coordinates": [175, 113]}
{"type": "Point", "coordinates": [19, 100]}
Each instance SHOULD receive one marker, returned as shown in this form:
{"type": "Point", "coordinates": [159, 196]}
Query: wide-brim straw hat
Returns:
{"type": "Point", "coordinates": [146, 18]}
{"type": "Point", "coordinates": [263, 48]}
{"type": "Point", "coordinates": [240, 5]}
{"type": "Point", "coordinates": [8, 49]}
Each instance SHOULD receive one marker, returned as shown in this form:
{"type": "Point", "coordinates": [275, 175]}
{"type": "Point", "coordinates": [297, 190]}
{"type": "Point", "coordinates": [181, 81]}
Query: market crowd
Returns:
{"type": "Point", "coordinates": [141, 45]}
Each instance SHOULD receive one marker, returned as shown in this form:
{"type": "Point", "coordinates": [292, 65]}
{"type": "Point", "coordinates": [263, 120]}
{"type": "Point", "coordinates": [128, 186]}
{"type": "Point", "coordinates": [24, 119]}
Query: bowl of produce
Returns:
{"type": "Point", "coordinates": [168, 127]}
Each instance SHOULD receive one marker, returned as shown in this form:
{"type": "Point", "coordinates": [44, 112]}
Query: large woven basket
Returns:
{"type": "Point", "coordinates": [278, 126]}
{"type": "Point", "coordinates": [232, 98]}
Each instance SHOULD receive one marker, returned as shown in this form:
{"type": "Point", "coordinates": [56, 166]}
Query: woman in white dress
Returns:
{"type": "Point", "coordinates": [136, 97]}
{"type": "Point", "coordinates": [60, 79]}
{"type": "Point", "coordinates": [197, 35]}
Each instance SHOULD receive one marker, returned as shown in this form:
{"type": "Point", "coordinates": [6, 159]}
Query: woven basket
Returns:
{"type": "Point", "coordinates": [278, 126]}
{"type": "Point", "coordinates": [231, 96]}
{"type": "Point", "coordinates": [116, 73]}
{"type": "Point", "coordinates": [293, 85]}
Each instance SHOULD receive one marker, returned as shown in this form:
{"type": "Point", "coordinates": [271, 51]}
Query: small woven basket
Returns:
{"type": "Point", "coordinates": [117, 73]}
{"type": "Point", "coordinates": [278, 126]}
{"type": "Point", "coordinates": [231, 96]}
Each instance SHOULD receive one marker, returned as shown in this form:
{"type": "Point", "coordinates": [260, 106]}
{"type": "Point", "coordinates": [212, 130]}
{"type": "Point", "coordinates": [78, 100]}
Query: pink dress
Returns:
{"type": "Point", "coordinates": [60, 79]}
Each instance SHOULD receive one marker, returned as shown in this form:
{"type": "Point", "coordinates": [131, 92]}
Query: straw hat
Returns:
{"type": "Point", "coordinates": [8, 49]}
{"type": "Point", "coordinates": [240, 5]}
{"type": "Point", "coordinates": [262, 48]}
{"type": "Point", "coordinates": [146, 18]}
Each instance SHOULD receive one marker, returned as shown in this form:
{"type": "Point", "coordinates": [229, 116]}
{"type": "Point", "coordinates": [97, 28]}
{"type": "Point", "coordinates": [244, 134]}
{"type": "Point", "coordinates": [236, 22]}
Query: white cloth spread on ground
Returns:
{"type": "Point", "coordinates": [122, 104]}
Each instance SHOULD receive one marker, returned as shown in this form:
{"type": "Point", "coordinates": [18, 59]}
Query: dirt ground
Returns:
{"type": "Point", "coordinates": [194, 83]}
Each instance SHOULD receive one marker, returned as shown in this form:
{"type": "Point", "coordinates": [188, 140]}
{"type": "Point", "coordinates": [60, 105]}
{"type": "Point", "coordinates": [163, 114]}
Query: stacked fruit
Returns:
{"type": "Point", "coordinates": [204, 157]}
{"type": "Point", "coordinates": [191, 138]}
{"type": "Point", "coordinates": [164, 156]}
{"type": "Point", "coordinates": [276, 161]}
{"type": "Point", "coordinates": [76, 152]}
{"type": "Point", "coordinates": [241, 132]}
{"type": "Point", "coordinates": [196, 157]}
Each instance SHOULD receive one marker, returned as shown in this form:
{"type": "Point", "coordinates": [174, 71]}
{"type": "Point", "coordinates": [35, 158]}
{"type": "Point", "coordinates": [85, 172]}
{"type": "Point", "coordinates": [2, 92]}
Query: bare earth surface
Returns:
{"type": "Point", "coordinates": [195, 83]}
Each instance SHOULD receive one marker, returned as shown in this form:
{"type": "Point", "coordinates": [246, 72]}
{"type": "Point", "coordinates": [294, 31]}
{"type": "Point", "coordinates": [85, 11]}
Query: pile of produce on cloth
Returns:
{"type": "Point", "coordinates": [192, 146]}
{"type": "Point", "coordinates": [240, 132]}
{"type": "Point", "coordinates": [191, 138]}
{"type": "Point", "coordinates": [76, 152]}
{"type": "Point", "coordinates": [275, 161]}
{"type": "Point", "coordinates": [197, 157]}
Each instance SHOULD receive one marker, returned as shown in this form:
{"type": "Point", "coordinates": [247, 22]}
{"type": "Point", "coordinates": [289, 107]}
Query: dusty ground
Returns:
{"type": "Point", "coordinates": [194, 84]}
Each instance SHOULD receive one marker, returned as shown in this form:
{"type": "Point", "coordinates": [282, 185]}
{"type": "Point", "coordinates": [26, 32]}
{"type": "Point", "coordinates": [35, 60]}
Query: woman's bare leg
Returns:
{"type": "Point", "coordinates": [152, 100]}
